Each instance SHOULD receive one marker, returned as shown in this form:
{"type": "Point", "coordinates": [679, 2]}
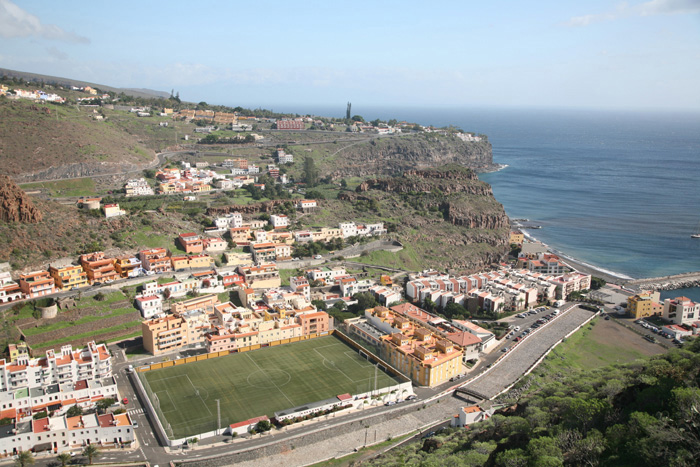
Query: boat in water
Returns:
{"type": "Point", "coordinates": [697, 232]}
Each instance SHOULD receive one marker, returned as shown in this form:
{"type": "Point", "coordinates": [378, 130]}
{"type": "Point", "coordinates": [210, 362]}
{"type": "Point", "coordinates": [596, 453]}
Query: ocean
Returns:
{"type": "Point", "coordinates": [617, 190]}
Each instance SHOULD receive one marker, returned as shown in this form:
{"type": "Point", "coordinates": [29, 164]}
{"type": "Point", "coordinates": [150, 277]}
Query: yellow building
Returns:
{"type": "Point", "coordinates": [415, 351]}
{"type": "Point", "coordinates": [17, 350]}
{"type": "Point", "coordinates": [69, 277]}
{"type": "Point", "coordinates": [162, 335]}
{"type": "Point", "coordinates": [195, 261]}
{"type": "Point", "coordinates": [645, 304]}
{"type": "Point", "coordinates": [516, 237]}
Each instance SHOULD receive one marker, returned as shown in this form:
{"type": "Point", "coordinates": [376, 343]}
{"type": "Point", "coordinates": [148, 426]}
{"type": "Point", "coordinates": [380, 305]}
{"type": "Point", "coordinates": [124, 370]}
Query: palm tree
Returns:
{"type": "Point", "coordinates": [64, 459]}
{"type": "Point", "coordinates": [90, 451]}
{"type": "Point", "coordinates": [24, 458]}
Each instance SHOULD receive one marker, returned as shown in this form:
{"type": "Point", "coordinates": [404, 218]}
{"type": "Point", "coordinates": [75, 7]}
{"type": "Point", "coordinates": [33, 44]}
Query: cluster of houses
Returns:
{"type": "Point", "coordinates": [270, 314]}
{"type": "Point", "coordinates": [496, 291]}
{"type": "Point", "coordinates": [40, 95]}
{"type": "Point", "coordinates": [196, 178]}
{"type": "Point", "coordinates": [37, 393]}
{"type": "Point", "coordinates": [682, 314]}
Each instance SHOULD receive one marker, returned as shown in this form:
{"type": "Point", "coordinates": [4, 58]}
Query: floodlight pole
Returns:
{"type": "Point", "coordinates": [218, 416]}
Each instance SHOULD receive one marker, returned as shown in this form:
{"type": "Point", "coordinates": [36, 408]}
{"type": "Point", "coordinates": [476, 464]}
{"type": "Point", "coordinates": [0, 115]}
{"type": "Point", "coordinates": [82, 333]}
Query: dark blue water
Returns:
{"type": "Point", "coordinates": [617, 190]}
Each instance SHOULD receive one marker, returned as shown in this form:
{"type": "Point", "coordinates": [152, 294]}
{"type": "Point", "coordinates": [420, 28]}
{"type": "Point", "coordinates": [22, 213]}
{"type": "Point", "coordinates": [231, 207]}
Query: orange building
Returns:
{"type": "Point", "coordinates": [162, 335]}
{"type": "Point", "coordinates": [37, 284]}
{"type": "Point", "coordinates": [415, 351]}
{"type": "Point", "coordinates": [98, 267]}
{"type": "Point", "coordinates": [313, 322]}
{"type": "Point", "coordinates": [191, 242]}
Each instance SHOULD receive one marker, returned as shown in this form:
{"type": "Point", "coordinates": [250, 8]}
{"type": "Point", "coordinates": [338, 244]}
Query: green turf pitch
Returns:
{"type": "Point", "coordinates": [260, 382]}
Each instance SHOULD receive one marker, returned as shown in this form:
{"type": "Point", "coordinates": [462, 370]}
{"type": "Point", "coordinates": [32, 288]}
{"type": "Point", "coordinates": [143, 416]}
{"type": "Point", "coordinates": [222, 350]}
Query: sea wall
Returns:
{"type": "Point", "coordinates": [677, 281]}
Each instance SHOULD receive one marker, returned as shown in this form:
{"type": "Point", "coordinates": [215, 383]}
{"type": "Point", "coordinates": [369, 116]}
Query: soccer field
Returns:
{"type": "Point", "coordinates": [260, 382]}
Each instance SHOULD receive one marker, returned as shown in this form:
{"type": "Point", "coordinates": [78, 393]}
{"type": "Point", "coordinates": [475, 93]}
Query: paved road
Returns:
{"type": "Point", "coordinates": [525, 353]}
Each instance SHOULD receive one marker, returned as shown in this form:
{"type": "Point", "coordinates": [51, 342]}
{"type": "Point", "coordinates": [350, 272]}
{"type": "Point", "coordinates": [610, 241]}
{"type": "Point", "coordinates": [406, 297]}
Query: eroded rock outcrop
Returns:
{"type": "Point", "coordinates": [265, 206]}
{"type": "Point", "coordinates": [15, 205]}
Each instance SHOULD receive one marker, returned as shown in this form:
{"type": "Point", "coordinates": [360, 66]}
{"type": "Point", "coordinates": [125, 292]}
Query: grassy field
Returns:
{"type": "Point", "coordinates": [74, 187]}
{"type": "Point", "coordinates": [592, 347]}
{"type": "Point", "coordinates": [259, 383]}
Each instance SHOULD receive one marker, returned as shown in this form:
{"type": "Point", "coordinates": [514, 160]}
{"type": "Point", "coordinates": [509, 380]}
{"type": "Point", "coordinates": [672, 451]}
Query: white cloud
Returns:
{"type": "Point", "coordinates": [651, 8]}
{"type": "Point", "coordinates": [15, 22]}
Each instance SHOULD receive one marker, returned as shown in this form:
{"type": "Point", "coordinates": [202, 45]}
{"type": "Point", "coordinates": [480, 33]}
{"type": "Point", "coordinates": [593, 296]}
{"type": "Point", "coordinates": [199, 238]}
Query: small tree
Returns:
{"type": "Point", "coordinates": [24, 458]}
{"type": "Point", "coordinates": [90, 452]}
{"type": "Point", "coordinates": [104, 404]}
{"type": "Point", "coordinates": [263, 425]}
{"type": "Point", "coordinates": [64, 459]}
{"type": "Point", "coordinates": [74, 411]}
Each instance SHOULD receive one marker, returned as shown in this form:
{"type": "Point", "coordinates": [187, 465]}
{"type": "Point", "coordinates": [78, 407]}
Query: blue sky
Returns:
{"type": "Point", "coordinates": [274, 54]}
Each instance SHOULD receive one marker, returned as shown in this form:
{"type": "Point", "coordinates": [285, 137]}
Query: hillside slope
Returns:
{"type": "Point", "coordinates": [34, 138]}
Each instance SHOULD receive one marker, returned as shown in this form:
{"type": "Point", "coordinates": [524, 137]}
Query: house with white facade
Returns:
{"type": "Point", "coordinates": [279, 221]}
{"type": "Point", "coordinates": [149, 305]}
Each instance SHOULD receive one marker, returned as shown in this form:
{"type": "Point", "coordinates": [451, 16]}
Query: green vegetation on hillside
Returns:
{"type": "Point", "coordinates": [641, 413]}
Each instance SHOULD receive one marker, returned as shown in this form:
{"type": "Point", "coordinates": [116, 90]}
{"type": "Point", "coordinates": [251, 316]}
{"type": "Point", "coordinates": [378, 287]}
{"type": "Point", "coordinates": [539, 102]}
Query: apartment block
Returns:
{"type": "Point", "coordinates": [37, 284]}
{"type": "Point", "coordinates": [204, 303]}
{"type": "Point", "coordinates": [263, 276]}
{"type": "Point", "coordinates": [681, 310]}
{"type": "Point", "coordinates": [69, 277]}
{"type": "Point", "coordinates": [155, 260]}
{"type": "Point", "coordinates": [161, 335]}
{"type": "Point", "coordinates": [98, 267]}
{"type": "Point", "coordinates": [91, 363]}
{"type": "Point", "coordinates": [647, 303]}
{"type": "Point", "coordinates": [415, 351]}
{"type": "Point", "coordinates": [127, 266]}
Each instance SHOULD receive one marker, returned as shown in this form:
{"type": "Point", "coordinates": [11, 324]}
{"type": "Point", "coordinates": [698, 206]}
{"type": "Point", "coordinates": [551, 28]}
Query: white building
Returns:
{"type": "Point", "coordinates": [488, 339]}
{"type": "Point", "coordinates": [232, 220]}
{"type": "Point", "coordinates": [681, 310]}
{"type": "Point", "coordinates": [60, 434]}
{"type": "Point", "coordinates": [92, 362]}
{"type": "Point", "coordinates": [349, 229]}
{"type": "Point", "coordinates": [149, 305]}
{"type": "Point", "coordinates": [283, 157]}
{"type": "Point", "coordinates": [328, 275]}
{"type": "Point", "coordinates": [138, 187]}
{"type": "Point", "coordinates": [279, 221]}
{"type": "Point", "coordinates": [386, 295]}
{"type": "Point", "coordinates": [226, 184]}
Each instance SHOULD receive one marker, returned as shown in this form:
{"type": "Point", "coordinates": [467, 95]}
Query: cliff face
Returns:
{"type": "Point", "coordinates": [15, 205]}
{"type": "Point", "coordinates": [447, 215]}
{"type": "Point", "coordinates": [265, 206]}
{"type": "Point", "coordinates": [428, 180]}
{"type": "Point", "coordinates": [390, 156]}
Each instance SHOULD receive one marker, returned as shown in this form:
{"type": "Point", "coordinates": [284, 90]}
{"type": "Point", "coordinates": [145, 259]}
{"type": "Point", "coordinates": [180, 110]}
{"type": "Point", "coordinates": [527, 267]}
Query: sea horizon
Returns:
{"type": "Point", "coordinates": [613, 189]}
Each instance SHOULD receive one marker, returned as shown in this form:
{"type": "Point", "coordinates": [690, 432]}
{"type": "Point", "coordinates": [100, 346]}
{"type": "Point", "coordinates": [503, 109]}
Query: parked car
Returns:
{"type": "Point", "coordinates": [318, 257]}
